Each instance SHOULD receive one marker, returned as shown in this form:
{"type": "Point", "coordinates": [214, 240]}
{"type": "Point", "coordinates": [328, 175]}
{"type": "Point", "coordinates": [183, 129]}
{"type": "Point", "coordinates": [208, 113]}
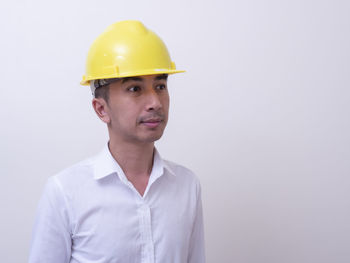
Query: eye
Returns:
{"type": "Point", "coordinates": [161, 87]}
{"type": "Point", "coordinates": [134, 88]}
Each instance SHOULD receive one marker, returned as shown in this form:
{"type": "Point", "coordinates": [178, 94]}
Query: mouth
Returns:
{"type": "Point", "coordinates": [152, 122]}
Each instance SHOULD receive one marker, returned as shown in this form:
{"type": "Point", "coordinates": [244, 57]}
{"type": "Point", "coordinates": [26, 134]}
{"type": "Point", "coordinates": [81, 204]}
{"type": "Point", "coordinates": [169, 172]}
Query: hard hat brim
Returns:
{"type": "Point", "coordinates": [86, 79]}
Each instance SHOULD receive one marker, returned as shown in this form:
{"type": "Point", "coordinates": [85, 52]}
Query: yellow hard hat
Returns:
{"type": "Point", "coordinates": [127, 49]}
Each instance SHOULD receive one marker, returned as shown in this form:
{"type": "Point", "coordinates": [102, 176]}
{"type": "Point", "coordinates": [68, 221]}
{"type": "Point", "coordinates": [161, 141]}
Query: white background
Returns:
{"type": "Point", "coordinates": [262, 116]}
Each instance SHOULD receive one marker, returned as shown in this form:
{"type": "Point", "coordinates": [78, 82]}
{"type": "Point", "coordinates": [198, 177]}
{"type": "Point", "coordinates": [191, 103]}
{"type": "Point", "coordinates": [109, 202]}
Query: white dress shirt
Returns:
{"type": "Point", "coordinates": [91, 213]}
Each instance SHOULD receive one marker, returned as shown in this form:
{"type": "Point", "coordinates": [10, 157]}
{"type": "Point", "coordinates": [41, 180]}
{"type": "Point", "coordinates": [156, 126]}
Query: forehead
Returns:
{"type": "Point", "coordinates": [145, 78]}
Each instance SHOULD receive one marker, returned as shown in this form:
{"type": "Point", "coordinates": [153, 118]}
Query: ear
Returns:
{"type": "Point", "coordinates": [100, 107]}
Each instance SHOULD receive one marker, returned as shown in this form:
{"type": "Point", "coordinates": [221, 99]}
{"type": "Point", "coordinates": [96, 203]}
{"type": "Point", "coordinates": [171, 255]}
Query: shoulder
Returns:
{"type": "Point", "coordinates": [185, 181]}
{"type": "Point", "coordinates": [73, 177]}
{"type": "Point", "coordinates": [182, 172]}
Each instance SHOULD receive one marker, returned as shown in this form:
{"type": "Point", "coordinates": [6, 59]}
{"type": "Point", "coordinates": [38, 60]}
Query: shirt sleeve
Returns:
{"type": "Point", "coordinates": [51, 238]}
{"type": "Point", "coordinates": [197, 245]}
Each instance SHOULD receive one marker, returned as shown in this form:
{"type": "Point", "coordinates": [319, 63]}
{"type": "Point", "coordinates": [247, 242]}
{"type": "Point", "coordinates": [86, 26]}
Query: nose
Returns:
{"type": "Point", "coordinates": [153, 102]}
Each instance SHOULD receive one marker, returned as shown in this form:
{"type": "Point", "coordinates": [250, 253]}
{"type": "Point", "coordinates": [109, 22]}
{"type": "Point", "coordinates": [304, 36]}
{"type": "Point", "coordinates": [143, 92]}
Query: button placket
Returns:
{"type": "Point", "coordinates": [146, 234]}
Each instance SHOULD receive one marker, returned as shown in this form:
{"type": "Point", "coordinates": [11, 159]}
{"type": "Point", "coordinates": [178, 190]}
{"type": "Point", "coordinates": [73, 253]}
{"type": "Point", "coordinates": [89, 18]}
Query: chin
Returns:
{"type": "Point", "coordinates": [152, 138]}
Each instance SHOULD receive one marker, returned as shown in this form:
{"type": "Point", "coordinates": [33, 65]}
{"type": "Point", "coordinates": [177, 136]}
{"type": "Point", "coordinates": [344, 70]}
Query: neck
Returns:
{"type": "Point", "coordinates": [134, 159]}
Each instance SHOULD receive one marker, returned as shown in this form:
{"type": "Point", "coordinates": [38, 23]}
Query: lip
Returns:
{"type": "Point", "coordinates": [151, 123]}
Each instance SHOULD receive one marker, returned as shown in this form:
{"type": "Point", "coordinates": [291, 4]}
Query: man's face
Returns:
{"type": "Point", "coordinates": [137, 109]}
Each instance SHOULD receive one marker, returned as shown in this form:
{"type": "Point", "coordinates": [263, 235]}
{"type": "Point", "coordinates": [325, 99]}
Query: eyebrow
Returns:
{"type": "Point", "coordinates": [131, 78]}
{"type": "Point", "coordinates": [126, 79]}
{"type": "Point", "coordinates": [163, 76]}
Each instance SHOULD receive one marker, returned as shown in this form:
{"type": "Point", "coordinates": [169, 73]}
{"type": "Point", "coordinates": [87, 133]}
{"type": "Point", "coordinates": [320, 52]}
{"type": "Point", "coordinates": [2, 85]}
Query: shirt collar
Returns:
{"type": "Point", "coordinates": [159, 165]}
{"type": "Point", "coordinates": [105, 164]}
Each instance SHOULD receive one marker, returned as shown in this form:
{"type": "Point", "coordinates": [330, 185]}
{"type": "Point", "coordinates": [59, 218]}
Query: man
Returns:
{"type": "Point", "coordinates": [126, 204]}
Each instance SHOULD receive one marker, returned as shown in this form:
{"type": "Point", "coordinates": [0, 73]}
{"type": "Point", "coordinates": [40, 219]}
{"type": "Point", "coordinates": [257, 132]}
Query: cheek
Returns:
{"type": "Point", "coordinates": [116, 113]}
{"type": "Point", "coordinates": [166, 102]}
{"type": "Point", "coordinates": [128, 114]}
